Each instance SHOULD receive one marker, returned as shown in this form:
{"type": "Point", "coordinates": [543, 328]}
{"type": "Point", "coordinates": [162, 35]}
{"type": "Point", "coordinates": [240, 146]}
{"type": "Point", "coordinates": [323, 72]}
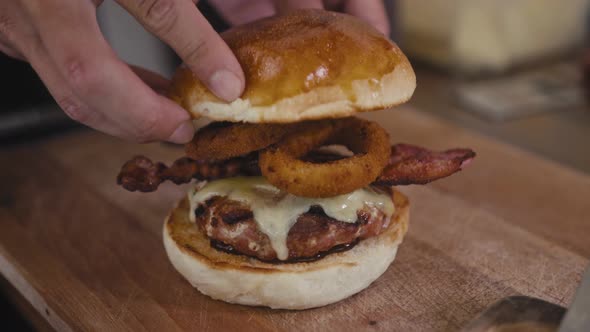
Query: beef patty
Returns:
{"type": "Point", "coordinates": [231, 224]}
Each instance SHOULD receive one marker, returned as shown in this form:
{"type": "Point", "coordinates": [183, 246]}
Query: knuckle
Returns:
{"type": "Point", "coordinates": [24, 39]}
{"type": "Point", "coordinates": [159, 15]}
{"type": "Point", "coordinates": [76, 72]}
{"type": "Point", "coordinates": [194, 51]}
{"type": "Point", "coordinates": [74, 110]}
{"type": "Point", "coordinates": [7, 27]}
{"type": "Point", "coordinates": [79, 74]}
{"type": "Point", "coordinates": [12, 29]}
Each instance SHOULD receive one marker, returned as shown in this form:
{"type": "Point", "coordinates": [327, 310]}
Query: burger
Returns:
{"type": "Point", "coordinates": [293, 204]}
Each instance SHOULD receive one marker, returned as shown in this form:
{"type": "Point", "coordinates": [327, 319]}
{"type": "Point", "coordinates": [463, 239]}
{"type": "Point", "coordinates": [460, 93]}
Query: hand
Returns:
{"type": "Point", "coordinates": [238, 12]}
{"type": "Point", "coordinates": [62, 41]}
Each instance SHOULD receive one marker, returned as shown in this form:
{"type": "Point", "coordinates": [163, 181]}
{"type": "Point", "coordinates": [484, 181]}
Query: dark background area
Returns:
{"type": "Point", "coordinates": [20, 84]}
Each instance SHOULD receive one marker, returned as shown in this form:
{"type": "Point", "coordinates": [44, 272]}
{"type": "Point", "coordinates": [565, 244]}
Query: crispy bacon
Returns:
{"type": "Point", "coordinates": [411, 164]}
{"type": "Point", "coordinates": [408, 164]}
{"type": "Point", "coordinates": [142, 174]}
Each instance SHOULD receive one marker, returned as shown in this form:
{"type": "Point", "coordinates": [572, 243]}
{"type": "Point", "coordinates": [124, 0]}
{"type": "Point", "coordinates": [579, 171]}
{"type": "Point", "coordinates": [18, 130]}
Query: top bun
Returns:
{"type": "Point", "coordinates": [309, 64]}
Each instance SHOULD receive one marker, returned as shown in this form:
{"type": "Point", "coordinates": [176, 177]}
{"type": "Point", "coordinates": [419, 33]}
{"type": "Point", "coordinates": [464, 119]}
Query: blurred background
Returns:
{"type": "Point", "coordinates": [513, 70]}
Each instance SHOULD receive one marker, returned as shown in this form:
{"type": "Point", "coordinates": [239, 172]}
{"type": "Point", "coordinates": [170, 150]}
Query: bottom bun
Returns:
{"type": "Point", "coordinates": [249, 281]}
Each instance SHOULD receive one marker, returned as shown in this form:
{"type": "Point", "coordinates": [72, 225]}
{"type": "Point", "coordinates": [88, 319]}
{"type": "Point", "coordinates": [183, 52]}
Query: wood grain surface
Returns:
{"type": "Point", "coordinates": [88, 255]}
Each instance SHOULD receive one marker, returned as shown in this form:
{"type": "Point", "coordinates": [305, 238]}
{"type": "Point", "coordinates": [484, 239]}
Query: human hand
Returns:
{"type": "Point", "coordinates": [62, 41]}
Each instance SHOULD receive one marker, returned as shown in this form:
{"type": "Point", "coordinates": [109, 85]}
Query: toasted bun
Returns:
{"type": "Point", "coordinates": [244, 280]}
{"type": "Point", "coordinates": [309, 64]}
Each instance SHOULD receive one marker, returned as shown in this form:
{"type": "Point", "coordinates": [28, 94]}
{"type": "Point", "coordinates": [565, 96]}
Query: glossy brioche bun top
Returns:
{"type": "Point", "coordinates": [308, 64]}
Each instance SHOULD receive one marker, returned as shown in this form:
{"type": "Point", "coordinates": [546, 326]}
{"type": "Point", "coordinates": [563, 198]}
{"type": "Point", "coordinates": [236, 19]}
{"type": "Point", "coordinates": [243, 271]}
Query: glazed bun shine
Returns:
{"type": "Point", "coordinates": [309, 64]}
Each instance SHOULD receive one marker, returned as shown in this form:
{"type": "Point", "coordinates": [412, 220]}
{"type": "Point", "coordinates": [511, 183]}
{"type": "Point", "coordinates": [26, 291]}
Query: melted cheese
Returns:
{"type": "Point", "coordinates": [275, 211]}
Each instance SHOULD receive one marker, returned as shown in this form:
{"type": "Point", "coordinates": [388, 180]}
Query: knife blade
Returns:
{"type": "Point", "coordinates": [577, 318]}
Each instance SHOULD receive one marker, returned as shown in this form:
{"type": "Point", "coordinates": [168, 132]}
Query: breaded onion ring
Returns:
{"type": "Point", "coordinates": [223, 140]}
{"type": "Point", "coordinates": [282, 163]}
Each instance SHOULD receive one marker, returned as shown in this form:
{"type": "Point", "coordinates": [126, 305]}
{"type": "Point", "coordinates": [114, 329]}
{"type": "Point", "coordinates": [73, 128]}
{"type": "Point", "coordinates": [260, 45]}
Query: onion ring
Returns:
{"type": "Point", "coordinates": [282, 164]}
{"type": "Point", "coordinates": [223, 140]}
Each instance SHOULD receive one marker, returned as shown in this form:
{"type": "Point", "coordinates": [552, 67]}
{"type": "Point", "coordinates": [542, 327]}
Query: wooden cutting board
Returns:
{"type": "Point", "coordinates": [88, 255]}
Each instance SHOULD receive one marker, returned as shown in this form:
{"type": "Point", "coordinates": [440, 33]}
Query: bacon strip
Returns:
{"type": "Point", "coordinates": [411, 164]}
{"type": "Point", "coordinates": [141, 174]}
{"type": "Point", "coordinates": [408, 164]}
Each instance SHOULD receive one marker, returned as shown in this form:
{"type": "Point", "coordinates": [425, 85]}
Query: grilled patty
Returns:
{"type": "Point", "coordinates": [231, 224]}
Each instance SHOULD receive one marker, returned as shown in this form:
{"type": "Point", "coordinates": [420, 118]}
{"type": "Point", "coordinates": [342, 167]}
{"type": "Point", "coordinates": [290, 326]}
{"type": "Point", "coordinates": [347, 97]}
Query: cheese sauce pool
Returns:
{"type": "Point", "coordinates": [276, 211]}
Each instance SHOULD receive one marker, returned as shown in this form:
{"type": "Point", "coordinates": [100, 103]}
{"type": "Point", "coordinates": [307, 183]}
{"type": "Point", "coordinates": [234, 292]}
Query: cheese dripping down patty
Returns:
{"type": "Point", "coordinates": [276, 211]}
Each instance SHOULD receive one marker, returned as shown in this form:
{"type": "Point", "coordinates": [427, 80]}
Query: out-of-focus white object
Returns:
{"type": "Point", "coordinates": [548, 88]}
{"type": "Point", "coordinates": [483, 35]}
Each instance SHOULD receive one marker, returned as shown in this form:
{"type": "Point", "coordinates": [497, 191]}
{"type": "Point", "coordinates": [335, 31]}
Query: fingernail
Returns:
{"type": "Point", "coordinates": [183, 134]}
{"type": "Point", "coordinates": [225, 85]}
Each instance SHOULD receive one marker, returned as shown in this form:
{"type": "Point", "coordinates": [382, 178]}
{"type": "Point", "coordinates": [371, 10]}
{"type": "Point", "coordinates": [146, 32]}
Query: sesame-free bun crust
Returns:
{"type": "Point", "coordinates": [244, 280]}
{"type": "Point", "coordinates": [309, 64]}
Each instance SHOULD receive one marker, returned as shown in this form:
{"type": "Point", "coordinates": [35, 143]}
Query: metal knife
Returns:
{"type": "Point", "coordinates": [577, 317]}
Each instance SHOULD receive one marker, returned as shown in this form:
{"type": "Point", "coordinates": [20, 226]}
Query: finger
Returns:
{"type": "Point", "coordinates": [283, 6]}
{"type": "Point", "coordinates": [237, 12]}
{"type": "Point", "coordinates": [372, 11]}
{"type": "Point", "coordinates": [71, 105]}
{"type": "Point", "coordinates": [63, 95]}
{"type": "Point", "coordinates": [180, 24]}
{"type": "Point", "coordinates": [12, 30]}
{"type": "Point", "coordinates": [101, 81]}
{"type": "Point", "coordinates": [25, 36]}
